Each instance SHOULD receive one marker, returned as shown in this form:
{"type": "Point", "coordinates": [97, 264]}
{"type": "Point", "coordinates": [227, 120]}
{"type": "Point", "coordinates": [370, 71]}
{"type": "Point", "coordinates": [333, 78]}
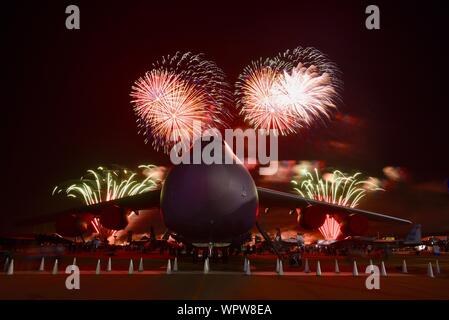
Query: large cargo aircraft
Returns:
{"type": "Point", "coordinates": [216, 204]}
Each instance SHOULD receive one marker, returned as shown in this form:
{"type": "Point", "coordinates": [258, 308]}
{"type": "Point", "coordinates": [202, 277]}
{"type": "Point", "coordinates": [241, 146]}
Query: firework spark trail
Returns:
{"type": "Point", "coordinates": [335, 188]}
{"type": "Point", "coordinates": [179, 90]}
{"type": "Point", "coordinates": [288, 92]}
{"type": "Point", "coordinates": [169, 106]}
{"type": "Point", "coordinates": [107, 184]}
{"type": "Point", "coordinates": [330, 228]}
{"type": "Point", "coordinates": [103, 232]}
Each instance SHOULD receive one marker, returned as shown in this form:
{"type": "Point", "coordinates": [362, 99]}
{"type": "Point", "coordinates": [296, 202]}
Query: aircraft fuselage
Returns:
{"type": "Point", "coordinates": [209, 203]}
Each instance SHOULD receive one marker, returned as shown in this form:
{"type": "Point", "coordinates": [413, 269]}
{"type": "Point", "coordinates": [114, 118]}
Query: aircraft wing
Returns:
{"type": "Point", "coordinates": [141, 201]}
{"type": "Point", "coordinates": [269, 197]}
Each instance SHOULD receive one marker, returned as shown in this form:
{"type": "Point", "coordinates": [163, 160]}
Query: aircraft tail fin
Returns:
{"type": "Point", "coordinates": [414, 236]}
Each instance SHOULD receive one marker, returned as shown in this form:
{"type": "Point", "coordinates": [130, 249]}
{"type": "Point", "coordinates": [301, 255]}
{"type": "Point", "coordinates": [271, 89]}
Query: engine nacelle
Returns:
{"type": "Point", "coordinates": [311, 217]}
{"type": "Point", "coordinates": [114, 218]}
{"type": "Point", "coordinates": [354, 225]}
{"type": "Point", "coordinates": [74, 225]}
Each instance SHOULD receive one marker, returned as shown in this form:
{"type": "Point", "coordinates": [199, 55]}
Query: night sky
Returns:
{"type": "Point", "coordinates": [67, 105]}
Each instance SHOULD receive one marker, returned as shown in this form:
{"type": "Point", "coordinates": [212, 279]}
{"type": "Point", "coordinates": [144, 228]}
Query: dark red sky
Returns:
{"type": "Point", "coordinates": [67, 92]}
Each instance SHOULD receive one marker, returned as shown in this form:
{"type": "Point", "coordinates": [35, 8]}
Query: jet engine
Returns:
{"type": "Point", "coordinates": [114, 218]}
{"type": "Point", "coordinates": [311, 218]}
{"type": "Point", "coordinates": [73, 225]}
{"type": "Point", "coordinates": [354, 225]}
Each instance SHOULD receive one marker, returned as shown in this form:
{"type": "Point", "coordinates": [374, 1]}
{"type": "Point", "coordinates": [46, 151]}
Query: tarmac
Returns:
{"type": "Point", "coordinates": [225, 281]}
